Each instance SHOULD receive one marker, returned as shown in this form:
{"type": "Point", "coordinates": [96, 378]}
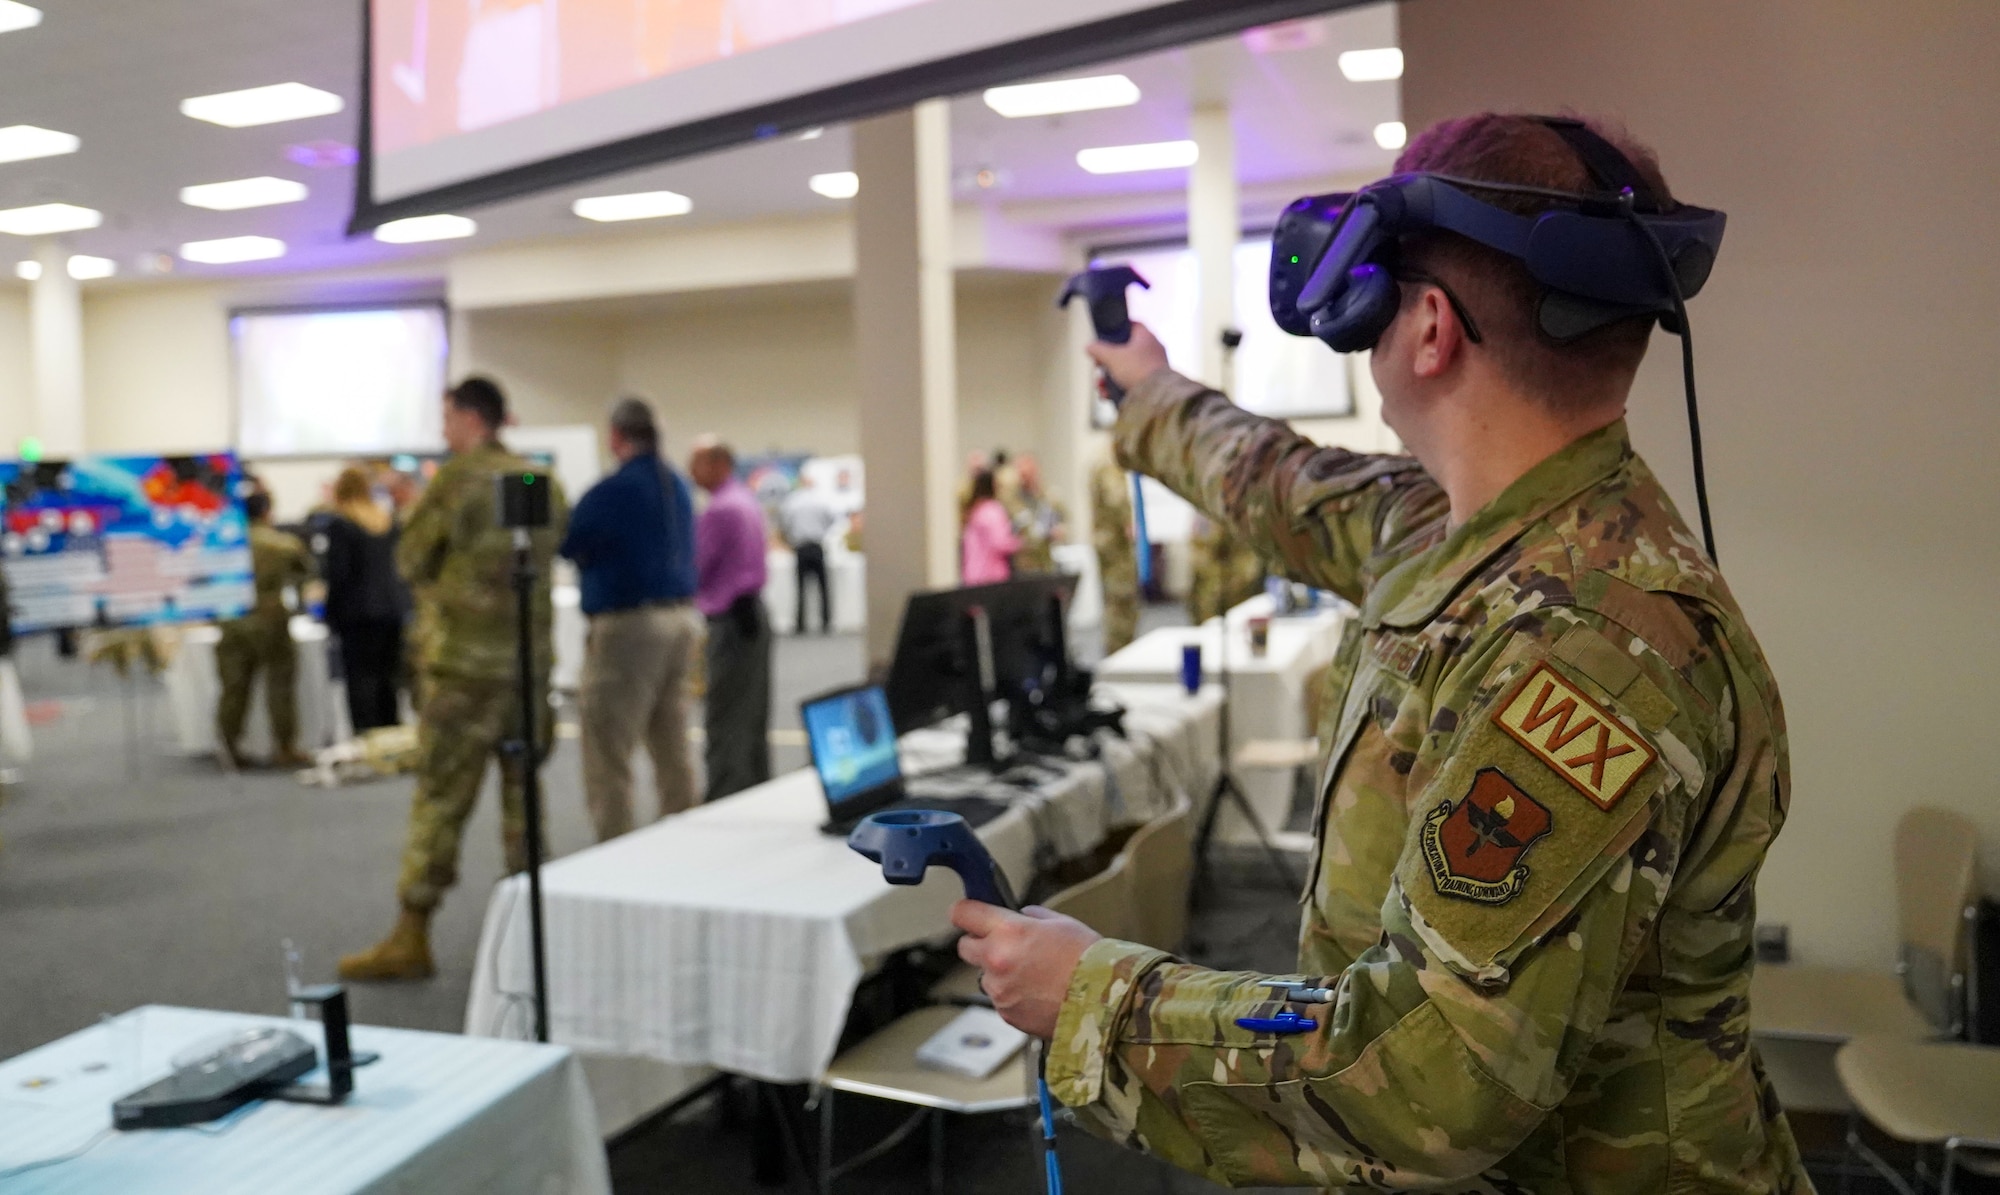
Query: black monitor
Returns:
{"type": "Point", "coordinates": [958, 649]}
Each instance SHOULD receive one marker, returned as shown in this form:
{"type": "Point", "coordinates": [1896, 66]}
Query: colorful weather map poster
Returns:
{"type": "Point", "coordinates": [124, 541]}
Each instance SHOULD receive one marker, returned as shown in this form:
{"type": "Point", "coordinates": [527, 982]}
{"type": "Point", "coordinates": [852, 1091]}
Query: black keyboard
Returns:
{"type": "Point", "coordinates": [977, 811]}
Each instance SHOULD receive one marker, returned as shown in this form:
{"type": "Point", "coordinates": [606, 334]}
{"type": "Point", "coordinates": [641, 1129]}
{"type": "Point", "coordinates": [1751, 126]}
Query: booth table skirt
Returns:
{"type": "Point", "coordinates": [438, 1113]}
{"type": "Point", "coordinates": [193, 686]}
{"type": "Point", "coordinates": [733, 936]}
{"type": "Point", "coordinates": [846, 581]}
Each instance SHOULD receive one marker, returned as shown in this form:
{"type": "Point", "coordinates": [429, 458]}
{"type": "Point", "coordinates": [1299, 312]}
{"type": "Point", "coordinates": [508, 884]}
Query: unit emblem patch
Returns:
{"type": "Point", "coordinates": [1574, 735]}
{"type": "Point", "coordinates": [1474, 848]}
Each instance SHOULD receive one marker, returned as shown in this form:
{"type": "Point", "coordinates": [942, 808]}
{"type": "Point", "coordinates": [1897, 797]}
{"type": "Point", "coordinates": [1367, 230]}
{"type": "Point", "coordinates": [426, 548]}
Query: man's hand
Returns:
{"type": "Point", "coordinates": [1134, 361]}
{"type": "Point", "coordinates": [1028, 958]}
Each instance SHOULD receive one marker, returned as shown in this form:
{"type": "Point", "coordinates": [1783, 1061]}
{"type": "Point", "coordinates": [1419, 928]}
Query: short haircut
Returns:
{"type": "Point", "coordinates": [1502, 296]}
{"type": "Point", "coordinates": [632, 419]}
{"type": "Point", "coordinates": [257, 505]}
{"type": "Point", "coordinates": [482, 397]}
{"type": "Point", "coordinates": [720, 452]}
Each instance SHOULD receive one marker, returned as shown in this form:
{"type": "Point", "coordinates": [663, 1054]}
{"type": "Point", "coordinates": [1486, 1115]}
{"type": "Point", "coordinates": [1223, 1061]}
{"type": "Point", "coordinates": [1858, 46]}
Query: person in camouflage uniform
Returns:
{"type": "Point", "coordinates": [1038, 520]}
{"type": "Point", "coordinates": [1117, 561]}
{"type": "Point", "coordinates": [1227, 572]}
{"type": "Point", "coordinates": [1558, 762]}
{"type": "Point", "coordinates": [261, 641]}
{"type": "Point", "coordinates": [460, 562]}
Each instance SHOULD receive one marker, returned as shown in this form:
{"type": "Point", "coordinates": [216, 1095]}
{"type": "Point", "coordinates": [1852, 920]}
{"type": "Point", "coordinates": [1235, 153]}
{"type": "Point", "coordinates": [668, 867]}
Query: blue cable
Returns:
{"type": "Point", "coordinates": [1145, 542]}
{"type": "Point", "coordinates": [1051, 1164]}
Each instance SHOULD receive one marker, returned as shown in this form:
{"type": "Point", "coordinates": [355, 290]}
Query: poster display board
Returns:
{"type": "Point", "coordinates": [124, 541]}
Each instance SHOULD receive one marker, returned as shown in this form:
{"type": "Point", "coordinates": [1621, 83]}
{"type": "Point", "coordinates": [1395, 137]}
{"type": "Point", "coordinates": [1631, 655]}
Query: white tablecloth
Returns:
{"type": "Point", "coordinates": [733, 936]}
{"type": "Point", "coordinates": [846, 580]}
{"type": "Point", "coordinates": [438, 1114]}
{"type": "Point", "coordinates": [193, 685]}
{"type": "Point", "coordinates": [1268, 692]}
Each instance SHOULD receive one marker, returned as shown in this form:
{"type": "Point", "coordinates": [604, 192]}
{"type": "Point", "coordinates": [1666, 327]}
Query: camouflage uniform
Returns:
{"type": "Point", "coordinates": [261, 641]}
{"type": "Point", "coordinates": [1227, 572]}
{"type": "Point", "coordinates": [1117, 563]}
{"type": "Point", "coordinates": [1558, 763]}
{"type": "Point", "coordinates": [1036, 520]}
{"type": "Point", "coordinates": [460, 563]}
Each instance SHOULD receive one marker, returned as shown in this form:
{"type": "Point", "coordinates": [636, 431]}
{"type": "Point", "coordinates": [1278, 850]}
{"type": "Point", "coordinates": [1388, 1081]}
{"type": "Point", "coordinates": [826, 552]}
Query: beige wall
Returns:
{"type": "Point", "coordinates": [1849, 365]}
{"type": "Point", "coordinates": [17, 404]}
{"type": "Point", "coordinates": [156, 369]}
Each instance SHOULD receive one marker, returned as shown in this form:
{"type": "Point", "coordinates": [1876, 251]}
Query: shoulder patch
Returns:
{"type": "Point", "coordinates": [1474, 848]}
{"type": "Point", "coordinates": [1575, 736]}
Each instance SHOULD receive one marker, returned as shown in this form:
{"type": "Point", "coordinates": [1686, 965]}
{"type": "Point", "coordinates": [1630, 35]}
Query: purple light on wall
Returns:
{"type": "Point", "coordinates": [322, 155]}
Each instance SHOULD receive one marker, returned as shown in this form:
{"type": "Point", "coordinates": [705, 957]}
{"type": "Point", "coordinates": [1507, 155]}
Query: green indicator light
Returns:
{"type": "Point", "coordinates": [1295, 259]}
{"type": "Point", "coordinates": [31, 449]}
{"type": "Point", "coordinates": [527, 479]}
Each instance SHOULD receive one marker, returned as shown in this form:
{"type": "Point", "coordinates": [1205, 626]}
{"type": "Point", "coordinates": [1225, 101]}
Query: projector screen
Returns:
{"type": "Point", "coordinates": [469, 101]}
{"type": "Point", "coordinates": [339, 381]}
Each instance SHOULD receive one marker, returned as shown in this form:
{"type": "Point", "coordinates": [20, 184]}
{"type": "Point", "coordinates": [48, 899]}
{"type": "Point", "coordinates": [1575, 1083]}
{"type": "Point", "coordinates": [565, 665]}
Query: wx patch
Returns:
{"type": "Point", "coordinates": [1574, 735]}
{"type": "Point", "coordinates": [1474, 848]}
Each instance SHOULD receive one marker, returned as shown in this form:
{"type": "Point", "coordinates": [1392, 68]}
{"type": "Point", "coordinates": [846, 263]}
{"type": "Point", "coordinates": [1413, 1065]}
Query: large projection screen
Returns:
{"type": "Point", "coordinates": [340, 381]}
{"type": "Point", "coordinates": [472, 101]}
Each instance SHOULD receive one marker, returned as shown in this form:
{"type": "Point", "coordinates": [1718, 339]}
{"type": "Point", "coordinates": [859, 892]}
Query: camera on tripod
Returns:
{"type": "Point", "coordinates": [522, 498]}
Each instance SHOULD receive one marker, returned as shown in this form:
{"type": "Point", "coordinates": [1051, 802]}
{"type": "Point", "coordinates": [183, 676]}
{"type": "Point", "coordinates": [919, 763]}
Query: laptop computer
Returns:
{"type": "Point", "coordinates": [852, 740]}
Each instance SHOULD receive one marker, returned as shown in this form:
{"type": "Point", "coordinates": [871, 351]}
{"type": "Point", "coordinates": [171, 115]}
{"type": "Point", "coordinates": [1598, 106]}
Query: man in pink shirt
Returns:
{"type": "Point", "coordinates": [988, 543]}
{"type": "Point", "coordinates": [729, 546]}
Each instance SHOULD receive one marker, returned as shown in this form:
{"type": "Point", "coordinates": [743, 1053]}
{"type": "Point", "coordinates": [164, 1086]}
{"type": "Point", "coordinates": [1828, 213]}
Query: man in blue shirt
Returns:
{"type": "Point", "coordinates": [632, 538]}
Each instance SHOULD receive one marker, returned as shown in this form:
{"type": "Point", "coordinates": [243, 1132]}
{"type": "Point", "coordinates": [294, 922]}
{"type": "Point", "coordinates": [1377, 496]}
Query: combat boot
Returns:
{"type": "Point", "coordinates": [405, 954]}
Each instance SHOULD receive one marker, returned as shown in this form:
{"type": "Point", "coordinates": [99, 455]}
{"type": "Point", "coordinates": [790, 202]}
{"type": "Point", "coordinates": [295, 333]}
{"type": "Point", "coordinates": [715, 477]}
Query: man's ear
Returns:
{"type": "Point", "coordinates": [1438, 334]}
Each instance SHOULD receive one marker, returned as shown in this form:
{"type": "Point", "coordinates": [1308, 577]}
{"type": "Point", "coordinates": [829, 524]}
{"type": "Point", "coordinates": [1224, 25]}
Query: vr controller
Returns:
{"type": "Point", "coordinates": [908, 843]}
{"type": "Point", "coordinates": [1103, 288]}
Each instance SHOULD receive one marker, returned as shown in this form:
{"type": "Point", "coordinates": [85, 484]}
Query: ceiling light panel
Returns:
{"type": "Point", "coordinates": [83, 267]}
{"type": "Point", "coordinates": [1391, 135]}
{"type": "Point", "coordinates": [238, 194]}
{"type": "Point", "coordinates": [14, 16]}
{"type": "Point", "coordinates": [425, 228]}
{"type": "Point", "coordinates": [262, 105]}
{"type": "Point", "coordinates": [843, 184]}
{"type": "Point", "coordinates": [28, 271]}
{"type": "Point", "coordinates": [1372, 66]}
{"type": "Point", "coordinates": [46, 218]}
{"type": "Point", "coordinates": [230, 250]}
{"type": "Point", "coordinates": [646, 205]}
{"type": "Point", "coordinates": [1063, 95]}
{"type": "Point", "coordinates": [1130, 159]}
{"type": "Point", "coordinates": [21, 142]}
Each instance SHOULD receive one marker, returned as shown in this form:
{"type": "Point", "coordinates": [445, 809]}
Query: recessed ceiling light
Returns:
{"type": "Point", "coordinates": [844, 184]}
{"type": "Point", "coordinates": [45, 218]}
{"type": "Point", "coordinates": [28, 271]}
{"type": "Point", "coordinates": [1391, 135]}
{"type": "Point", "coordinates": [1129, 159]}
{"type": "Point", "coordinates": [233, 249]}
{"type": "Point", "coordinates": [83, 267]}
{"type": "Point", "coordinates": [425, 228]}
{"type": "Point", "coordinates": [1063, 95]}
{"type": "Point", "coordinates": [15, 16]}
{"type": "Point", "coordinates": [243, 193]}
{"type": "Point", "coordinates": [19, 143]}
{"type": "Point", "coordinates": [1372, 66]}
{"type": "Point", "coordinates": [262, 105]}
{"type": "Point", "coordinates": [646, 205]}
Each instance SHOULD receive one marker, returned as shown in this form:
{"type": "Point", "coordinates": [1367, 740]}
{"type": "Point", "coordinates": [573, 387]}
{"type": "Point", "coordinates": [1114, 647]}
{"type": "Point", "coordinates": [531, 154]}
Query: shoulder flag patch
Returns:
{"type": "Point", "coordinates": [1575, 735]}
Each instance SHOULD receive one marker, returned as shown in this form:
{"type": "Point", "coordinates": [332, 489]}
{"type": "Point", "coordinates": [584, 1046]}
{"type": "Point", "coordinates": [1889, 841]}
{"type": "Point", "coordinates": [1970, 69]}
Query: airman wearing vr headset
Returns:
{"type": "Point", "coordinates": [1558, 757]}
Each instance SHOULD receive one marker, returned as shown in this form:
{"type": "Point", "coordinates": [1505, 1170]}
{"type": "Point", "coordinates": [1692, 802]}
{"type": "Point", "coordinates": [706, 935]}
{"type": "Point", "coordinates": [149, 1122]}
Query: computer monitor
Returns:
{"type": "Point", "coordinates": [852, 740]}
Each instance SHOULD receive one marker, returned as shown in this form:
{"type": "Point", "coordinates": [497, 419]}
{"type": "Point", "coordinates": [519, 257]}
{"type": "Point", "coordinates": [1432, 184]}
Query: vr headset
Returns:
{"type": "Point", "coordinates": [1602, 257]}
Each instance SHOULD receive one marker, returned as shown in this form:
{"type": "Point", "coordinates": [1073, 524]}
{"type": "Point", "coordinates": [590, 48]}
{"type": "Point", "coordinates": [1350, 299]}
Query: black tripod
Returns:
{"type": "Point", "coordinates": [1225, 782]}
{"type": "Point", "coordinates": [523, 503]}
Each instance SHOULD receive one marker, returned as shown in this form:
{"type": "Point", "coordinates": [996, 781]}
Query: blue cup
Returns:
{"type": "Point", "coordinates": [1191, 668]}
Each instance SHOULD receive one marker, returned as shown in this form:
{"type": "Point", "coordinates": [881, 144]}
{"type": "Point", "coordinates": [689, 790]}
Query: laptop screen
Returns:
{"type": "Point", "coordinates": [853, 743]}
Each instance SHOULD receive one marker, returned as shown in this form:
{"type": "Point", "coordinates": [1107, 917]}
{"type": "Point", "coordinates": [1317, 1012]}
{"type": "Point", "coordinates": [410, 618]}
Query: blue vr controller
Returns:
{"type": "Point", "coordinates": [907, 843]}
{"type": "Point", "coordinates": [1103, 288]}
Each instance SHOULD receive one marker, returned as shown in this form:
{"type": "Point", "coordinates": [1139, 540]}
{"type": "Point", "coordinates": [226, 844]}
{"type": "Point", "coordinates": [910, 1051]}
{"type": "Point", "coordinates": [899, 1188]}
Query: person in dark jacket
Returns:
{"type": "Point", "coordinates": [366, 600]}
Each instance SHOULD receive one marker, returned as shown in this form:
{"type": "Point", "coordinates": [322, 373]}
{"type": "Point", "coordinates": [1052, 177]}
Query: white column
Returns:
{"type": "Point", "coordinates": [55, 325]}
{"type": "Point", "coordinates": [1215, 225]}
{"type": "Point", "coordinates": [907, 348]}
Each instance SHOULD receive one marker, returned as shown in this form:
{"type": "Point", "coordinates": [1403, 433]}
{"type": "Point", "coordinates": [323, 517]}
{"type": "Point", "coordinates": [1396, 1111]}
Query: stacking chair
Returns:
{"type": "Point", "coordinates": [1300, 758]}
{"type": "Point", "coordinates": [1936, 888]}
{"type": "Point", "coordinates": [885, 1067]}
{"type": "Point", "coordinates": [1162, 871]}
{"type": "Point", "coordinates": [1927, 1094]}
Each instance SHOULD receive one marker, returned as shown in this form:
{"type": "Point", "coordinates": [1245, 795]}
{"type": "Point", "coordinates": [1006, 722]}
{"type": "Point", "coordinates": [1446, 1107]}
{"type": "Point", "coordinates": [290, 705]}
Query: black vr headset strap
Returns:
{"type": "Point", "coordinates": [1612, 170]}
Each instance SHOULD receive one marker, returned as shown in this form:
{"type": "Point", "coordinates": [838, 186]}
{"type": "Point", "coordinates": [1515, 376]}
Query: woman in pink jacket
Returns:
{"type": "Point", "coordinates": [988, 543]}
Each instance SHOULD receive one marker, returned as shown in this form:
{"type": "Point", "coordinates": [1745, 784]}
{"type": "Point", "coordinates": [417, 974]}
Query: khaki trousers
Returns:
{"type": "Point", "coordinates": [634, 688]}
